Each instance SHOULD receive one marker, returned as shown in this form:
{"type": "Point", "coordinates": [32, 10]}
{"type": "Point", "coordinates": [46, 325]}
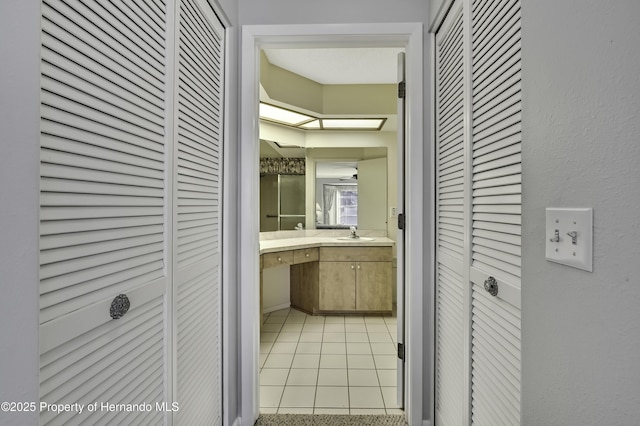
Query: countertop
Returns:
{"type": "Point", "coordinates": [275, 245]}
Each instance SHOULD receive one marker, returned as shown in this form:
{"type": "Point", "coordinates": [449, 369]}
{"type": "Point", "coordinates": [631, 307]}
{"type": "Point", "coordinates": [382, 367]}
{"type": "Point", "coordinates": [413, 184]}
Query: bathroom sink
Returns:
{"type": "Point", "coordinates": [361, 239]}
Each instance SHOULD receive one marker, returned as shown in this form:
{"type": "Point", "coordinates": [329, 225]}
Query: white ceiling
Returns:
{"type": "Point", "coordinates": [340, 65]}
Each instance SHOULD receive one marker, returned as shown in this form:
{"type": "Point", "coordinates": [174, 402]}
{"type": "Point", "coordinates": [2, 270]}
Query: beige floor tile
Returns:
{"type": "Point", "coordinates": [284, 348]}
{"type": "Point", "coordinates": [273, 376]}
{"type": "Point", "coordinates": [275, 320]}
{"type": "Point", "coordinates": [270, 395]}
{"type": "Point", "coordinates": [298, 396]}
{"type": "Point", "coordinates": [271, 328]}
{"type": "Point", "coordinates": [355, 328]}
{"type": "Point", "coordinates": [265, 347]}
{"type": "Point", "coordinates": [361, 362]}
{"type": "Point", "coordinates": [334, 348]}
{"type": "Point", "coordinates": [309, 348]}
{"type": "Point", "coordinates": [268, 337]}
{"type": "Point", "coordinates": [333, 337]}
{"type": "Point", "coordinates": [334, 319]}
{"type": "Point", "coordinates": [311, 327]}
{"type": "Point", "coordinates": [332, 397]}
{"type": "Point", "coordinates": [354, 319]}
{"type": "Point", "coordinates": [371, 319]}
{"type": "Point", "coordinates": [388, 377]}
{"type": "Point", "coordinates": [288, 337]}
{"type": "Point", "coordinates": [339, 411]}
{"type": "Point", "coordinates": [295, 410]}
{"type": "Point", "coordinates": [386, 362]}
{"type": "Point", "coordinates": [279, 361]}
{"type": "Point", "coordinates": [314, 319]}
{"type": "Point", "coordinates": [334, 328]}
{"type": "Point", "coordinates": [295, 319]}
{"type": "Point", "coordinates": [332, 377]}
{"type": "Point", "coordinates": [292, 328]}
{"type": "Point", "coordinates": [385, 348]}
{"type": "Point", "coordinates": [268, 410]}
{"type": "Point", "coordinates": [367, 411]}
{"type": "Point", "coordinates": [357, 337]}
{"type": "Point", "coordinates": [333, 361]}
{"type": "Point", "coordinates": [378, 337]}
{"type": "Point", "coordinates": [263, 359]}
{"type": "Point", "coordinates": [365, 397]}
{"type": "Point", "coordinates": [306, 361]}
{"type": "Point", "coordinates": [310, 337]}
{"type": "Point", "coordinates": [371, 328]}
{"type": "Point", "coordinates": [395, 411]}
{"type": "Point", "coordinates": [358, 348]}
{"type": "Point", "coordinates": [363, 378]}
{"type": "Point", "coordinates": [390, 397]}
{"type": "Point", "coordinates": [302, 377]}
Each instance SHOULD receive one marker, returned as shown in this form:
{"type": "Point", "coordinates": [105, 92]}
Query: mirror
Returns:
{"type": "Point", "coordinates": [341, 187]}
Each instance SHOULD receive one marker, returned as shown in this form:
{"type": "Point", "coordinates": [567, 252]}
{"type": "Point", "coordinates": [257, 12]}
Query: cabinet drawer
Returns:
{"type": "Point", "coordinates": [353, 254]}
{"type": "Point", "coordinates": [305, 255]}
{"type": "Point", "coordinates": [269, 260]}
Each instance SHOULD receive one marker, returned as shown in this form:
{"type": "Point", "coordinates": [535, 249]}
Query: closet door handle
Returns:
{"type": "Point", "coordinates": [491, 286]}
{"type": "Point", "coordinates": [119, 306]}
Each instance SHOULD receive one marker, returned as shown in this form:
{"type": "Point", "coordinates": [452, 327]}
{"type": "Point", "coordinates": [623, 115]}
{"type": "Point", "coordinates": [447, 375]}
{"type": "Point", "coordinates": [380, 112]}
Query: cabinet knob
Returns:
{"type": "Point", "coordinates": [351, 266]}
{"type": "Point", "coordinates": [307, 255]}
{"type": "Point", "coordinates": [279, 259]}
{"type": "Point", "coordinates": [358, 266]}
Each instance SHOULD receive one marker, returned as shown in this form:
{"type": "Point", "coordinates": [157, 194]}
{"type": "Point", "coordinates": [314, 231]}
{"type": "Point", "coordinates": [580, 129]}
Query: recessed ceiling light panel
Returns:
{"type": "Point", "coordinates": [281, 115]}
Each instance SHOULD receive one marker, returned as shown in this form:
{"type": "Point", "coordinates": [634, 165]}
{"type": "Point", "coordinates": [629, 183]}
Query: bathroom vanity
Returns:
{"type": "Point", "coordinates": [330, 275]}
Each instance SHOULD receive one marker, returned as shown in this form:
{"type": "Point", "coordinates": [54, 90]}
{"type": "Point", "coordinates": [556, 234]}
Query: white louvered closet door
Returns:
{"type": "Point", "coordinates": [102, 214]}
{"type": "Point", "coordinates": [450, 170]}
{"type": "Point", "coordinates": [198, 220]}
{"type": "Point", "coordinates": [496, 203]}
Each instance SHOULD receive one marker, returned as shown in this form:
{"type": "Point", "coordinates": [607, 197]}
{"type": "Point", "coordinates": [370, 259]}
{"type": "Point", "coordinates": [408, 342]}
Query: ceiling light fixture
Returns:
{"type": "Point", "coordinates": [283, 116]}
{"type": "Point", "coordinates": [276, 114]}
{"type": "Point", "coordinates": [353, 123]}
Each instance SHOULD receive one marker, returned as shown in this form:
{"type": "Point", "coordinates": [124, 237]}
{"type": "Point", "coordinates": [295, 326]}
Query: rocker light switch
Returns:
{"type": "Point", "coordinates": [569, 238]}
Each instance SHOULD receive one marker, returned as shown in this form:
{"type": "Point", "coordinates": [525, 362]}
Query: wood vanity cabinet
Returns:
{"type": "Point", "coordinates": [355, 279]}
{"type": "Point", "coordinates": [304, 280]}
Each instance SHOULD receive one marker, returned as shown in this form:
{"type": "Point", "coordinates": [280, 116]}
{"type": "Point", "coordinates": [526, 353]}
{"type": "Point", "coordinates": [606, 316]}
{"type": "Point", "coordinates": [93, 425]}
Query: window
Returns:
{"type": "Point", "coordinates": [341, 204]}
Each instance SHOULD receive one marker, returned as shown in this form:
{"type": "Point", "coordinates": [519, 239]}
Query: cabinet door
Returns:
{"type": "Point", "coordinates": [337, 286]}
{"type": "Point", "coordinates": [373, 286]}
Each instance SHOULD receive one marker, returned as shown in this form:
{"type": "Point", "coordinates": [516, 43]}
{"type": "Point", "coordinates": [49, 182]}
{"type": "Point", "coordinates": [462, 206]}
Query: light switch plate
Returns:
{"type": "Point", "coordinates": [563, 224]}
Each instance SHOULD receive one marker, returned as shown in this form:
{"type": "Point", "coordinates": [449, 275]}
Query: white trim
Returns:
{"type": "Point", "coordinates": [440, 15]}
{"type": "Point", "coordinates": [467, 58]}
{"type": "Point", "coordinates": [432, 217]}
{"type": "Point", "coordinates": [408, 35]}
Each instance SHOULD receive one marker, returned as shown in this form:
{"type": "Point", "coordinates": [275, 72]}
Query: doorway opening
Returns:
{"type": "Point", "coordinates": [404, 36]}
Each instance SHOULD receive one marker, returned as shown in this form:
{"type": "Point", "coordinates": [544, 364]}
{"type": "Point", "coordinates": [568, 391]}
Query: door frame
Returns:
{"type": "Point", "coordinates": [256, 37]}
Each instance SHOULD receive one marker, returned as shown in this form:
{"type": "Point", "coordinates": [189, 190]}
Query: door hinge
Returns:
{"type": "Point", "coordinates": [401, 351]}
{"type": "Point", "coordinates": [401, 223]}
{"type": "Point", "coordinates": [402, 89]}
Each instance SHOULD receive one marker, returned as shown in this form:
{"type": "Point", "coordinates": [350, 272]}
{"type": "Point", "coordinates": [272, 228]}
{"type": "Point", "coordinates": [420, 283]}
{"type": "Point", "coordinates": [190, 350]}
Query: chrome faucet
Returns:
{"type": "Point", "coordinates": [353, 232]}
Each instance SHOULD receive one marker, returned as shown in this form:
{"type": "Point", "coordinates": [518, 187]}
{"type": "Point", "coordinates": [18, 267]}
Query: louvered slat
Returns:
{"type": "Point", "coordinates": [197, 250]}
{"type": "Point", "coordinates": [496, 217]}
{"type": "Point", "coordinates": [450, 166]}
{"type": "Point", "coordinates": [102, 205]}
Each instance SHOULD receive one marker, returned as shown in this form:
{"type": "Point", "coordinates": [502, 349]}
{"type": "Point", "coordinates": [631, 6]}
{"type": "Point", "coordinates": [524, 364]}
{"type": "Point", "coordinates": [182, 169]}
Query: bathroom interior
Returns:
{"type": "Point", "coordinates": [328, 231]}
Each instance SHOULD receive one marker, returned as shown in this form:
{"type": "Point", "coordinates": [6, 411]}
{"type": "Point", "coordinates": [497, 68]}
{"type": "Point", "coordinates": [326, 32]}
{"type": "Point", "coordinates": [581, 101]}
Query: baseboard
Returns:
{"type": "Point", "coordinates": [275, 308]}
{"type": "Point", "coordinates": [426, 423]}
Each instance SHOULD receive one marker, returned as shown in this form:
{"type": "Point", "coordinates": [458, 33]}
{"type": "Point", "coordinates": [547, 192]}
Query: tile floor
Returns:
{"type": "Point", "coordinates": [327, 364]}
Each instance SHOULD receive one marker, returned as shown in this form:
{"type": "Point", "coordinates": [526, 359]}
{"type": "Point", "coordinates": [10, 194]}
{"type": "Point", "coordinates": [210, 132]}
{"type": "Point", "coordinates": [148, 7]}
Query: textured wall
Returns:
{"type": "Point", "coordinates": [581, 148]}
{"type": "Point", "coordinates": [19, 177]}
